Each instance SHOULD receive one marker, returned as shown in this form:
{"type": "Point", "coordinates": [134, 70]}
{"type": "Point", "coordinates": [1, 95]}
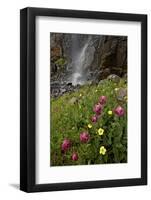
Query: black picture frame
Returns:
{"type": "Point", "coordinates": [28, 99]}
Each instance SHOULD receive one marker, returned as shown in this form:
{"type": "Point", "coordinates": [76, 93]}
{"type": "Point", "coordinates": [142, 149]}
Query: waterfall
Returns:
{"type": "Point", "coordinates": [82, 57]}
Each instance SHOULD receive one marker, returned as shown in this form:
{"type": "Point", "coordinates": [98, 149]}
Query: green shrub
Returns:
{"type": "Point", "coordinates": [61, 61]}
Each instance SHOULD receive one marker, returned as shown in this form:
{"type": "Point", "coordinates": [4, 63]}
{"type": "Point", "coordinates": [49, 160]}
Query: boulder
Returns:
{"type": "Point", "coordinates": [113, 77]}
{"type": "Point", "coordinates": [121, 94]}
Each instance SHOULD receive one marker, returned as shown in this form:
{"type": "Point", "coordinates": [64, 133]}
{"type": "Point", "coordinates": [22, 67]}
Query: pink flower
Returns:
{"type": "Point", "coordinates": [97, 109]}
{"type": "Point", "coordinates": [84, 137]}
{"type": "Point", "coordinates": [65, 145]}
{"type": "Point", "coordinates": [102, 100]}
{"type": "Point", "coordinates": [94, 118]}
{"type": "Point", "coordinates": [119, 111]}
{"type": "Point", "coordinates": [74, 156]}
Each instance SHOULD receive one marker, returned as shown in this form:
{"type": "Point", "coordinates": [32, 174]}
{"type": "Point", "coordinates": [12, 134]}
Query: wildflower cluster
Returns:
{"type": "Point", "coordinates": [85, 136]}
{"type": "Point", "coordinates": [91, 131]}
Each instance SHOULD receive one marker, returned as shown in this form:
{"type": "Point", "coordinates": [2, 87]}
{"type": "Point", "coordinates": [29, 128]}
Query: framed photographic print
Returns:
{"type": "Point", "coordinates": [83, 99]}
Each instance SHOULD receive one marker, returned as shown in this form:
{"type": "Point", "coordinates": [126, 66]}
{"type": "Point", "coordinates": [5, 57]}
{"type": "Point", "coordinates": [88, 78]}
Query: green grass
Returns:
{"type": "Point", "coordinates": [71, 114]}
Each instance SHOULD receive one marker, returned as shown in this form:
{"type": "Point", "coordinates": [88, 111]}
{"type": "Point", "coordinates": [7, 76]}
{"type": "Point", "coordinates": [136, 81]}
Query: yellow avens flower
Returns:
{"type": "Point", "coordinates": [102, 150]}
{"type": "Point", "coordinates": [100, 131]}
{"type": "Point", "coordinates": [116, 89]}
{"type": "Point", "coordinates": [110, 112]}
{"type": "Point", "coordinates": [80, 95]}
{"type": "Point", "coordinates": [89, 126]}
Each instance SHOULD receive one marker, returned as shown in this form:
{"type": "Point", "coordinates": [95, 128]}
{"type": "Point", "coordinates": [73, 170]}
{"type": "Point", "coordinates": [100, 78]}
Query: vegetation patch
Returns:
{"type": "Point", "coordinates": [89, 126]}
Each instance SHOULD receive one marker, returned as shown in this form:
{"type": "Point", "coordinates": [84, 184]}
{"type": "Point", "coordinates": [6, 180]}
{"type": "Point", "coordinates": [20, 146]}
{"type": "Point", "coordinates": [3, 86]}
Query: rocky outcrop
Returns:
{"type": "Point", "coordinates": [58, 89]}
{"type": "Point", "coordinates": [113, 56]}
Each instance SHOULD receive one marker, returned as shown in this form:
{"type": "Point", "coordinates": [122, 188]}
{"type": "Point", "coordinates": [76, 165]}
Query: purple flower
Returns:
{"type": "Point", "coordinates": [119, 111]}
{"type": "Point", "coordinates": [94, 118]}
{"type": "Point", "coordinates": [97, 109]}
{"type": "Point", "coordinates": [102, 100]}
{"type": "Point", "coordinates": [74, 156]}
{"type": "Point", "coordinates": [65, 145]}
{"type": "Point", "coordinates": [84, 137]}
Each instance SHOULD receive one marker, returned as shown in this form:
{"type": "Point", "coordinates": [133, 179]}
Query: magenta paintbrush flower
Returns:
{"type": "Point", "coordinates": [66, 145]}
{"type": "Point", "coordinates": [84, 137]}
{"type": "Point", "coordinates": [97, 109]}
{"type": "Point", "coordinates": [102, 100]}
{"type": "Point", "coordinates": [94, 118]}
{"type": "Point", "coordinates": [119, 111]}
{"type": "Point", "coordinates": [74, 156]}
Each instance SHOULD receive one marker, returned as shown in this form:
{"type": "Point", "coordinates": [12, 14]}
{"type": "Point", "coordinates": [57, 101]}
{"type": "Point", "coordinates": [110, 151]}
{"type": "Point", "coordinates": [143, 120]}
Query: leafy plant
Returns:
{"type": "Point", "coordinates": [61, 61]}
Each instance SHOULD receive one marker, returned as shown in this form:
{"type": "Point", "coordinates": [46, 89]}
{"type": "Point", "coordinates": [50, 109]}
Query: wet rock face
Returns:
{"type": "Point", "coordinates": [113, 56]}
{"type": "Point", "coordinates": [110, 56]}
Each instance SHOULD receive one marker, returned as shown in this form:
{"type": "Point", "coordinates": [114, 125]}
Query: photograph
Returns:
{"type": "Point", "coordinates": [88, 99]}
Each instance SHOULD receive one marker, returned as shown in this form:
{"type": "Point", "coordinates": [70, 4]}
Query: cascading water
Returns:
{"type": "Point", "coordinates": [82, 57]}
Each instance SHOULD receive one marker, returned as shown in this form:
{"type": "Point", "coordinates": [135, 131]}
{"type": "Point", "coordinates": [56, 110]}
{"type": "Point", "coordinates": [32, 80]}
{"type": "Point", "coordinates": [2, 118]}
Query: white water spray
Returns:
{"type": "Point", "coordinates": [82, 58]}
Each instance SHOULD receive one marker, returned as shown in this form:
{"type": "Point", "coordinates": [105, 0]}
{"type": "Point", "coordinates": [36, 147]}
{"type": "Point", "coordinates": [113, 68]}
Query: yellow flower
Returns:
{"type": "Point", "coordinates": [125, 98]}
{"type": "Point", "coordinates": [110, 112]}
{"type": "Point", "coordinates": [80, 95]}
{"type": "Point", "coordinates": [96, 90]}
{"type": "Point", "coordinates": [102, 150]}
{"type": "Point", "coordinates": [80, 106]}
{"type": "Point", "coordinates": [100, 131]}
{"type": "Point", "coordinates": [116, 89]}
{"type": "Point", "coordinates": [89, 126]}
